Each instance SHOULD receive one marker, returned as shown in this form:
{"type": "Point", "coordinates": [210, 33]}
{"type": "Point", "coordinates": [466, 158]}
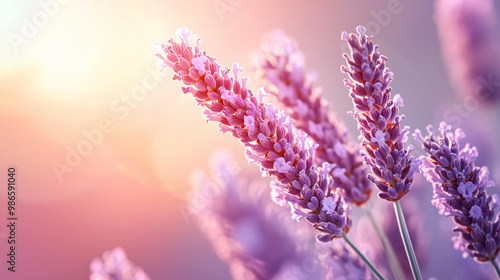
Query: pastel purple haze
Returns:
{"type": "Point", "coordinates": [470, 44]}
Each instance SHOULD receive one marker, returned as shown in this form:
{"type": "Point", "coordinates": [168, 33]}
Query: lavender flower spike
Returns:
{"type": "Point", "coordinates": [280, 65]}
{"type": "Point", "coordinates": [378, 120]}
{"type": "Point", "coordinates": [267, 135]}
{"type": "Point", "coordinates": [460, 192]}
{"type": "Point", "coordinates": [114, 265]}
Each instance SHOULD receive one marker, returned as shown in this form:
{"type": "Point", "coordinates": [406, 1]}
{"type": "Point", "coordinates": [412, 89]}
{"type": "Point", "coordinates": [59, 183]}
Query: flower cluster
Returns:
{"type": "Point", "coordinates": [114, 265]}
{"type": "Point", "coordinates": [281, 67]}
{"type": "Point", "coordinates": [378, 118]}
{"type": "Point", "coordinates": [460, 192]}
{"type": "Point", "coordinates": [266, 133]}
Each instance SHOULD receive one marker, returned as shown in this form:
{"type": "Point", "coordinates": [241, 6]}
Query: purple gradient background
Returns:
{"type": "Point", "coordinates": [130, 190]}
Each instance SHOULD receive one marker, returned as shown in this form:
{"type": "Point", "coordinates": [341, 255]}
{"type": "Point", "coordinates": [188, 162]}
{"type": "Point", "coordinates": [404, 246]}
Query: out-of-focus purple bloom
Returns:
{"type": "Point", "coordinates": [460, 192]}
{"type": "Point", "coordinates": [266, 133]}
{"type": "Point", "coordinates": [281, 67]}
{"type": "Point", "coordinates": [247, 230]}
{"type": "Point", "coordinates": [378, 119]}
{"type": "Point", "coordinates": [340, 263]}
{"type": "Point", "coordinates": [114, 265]}
{"type": "Point", "coordinates": [470, 43]}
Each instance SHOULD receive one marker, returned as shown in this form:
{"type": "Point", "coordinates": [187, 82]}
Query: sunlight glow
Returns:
{"type": "Point", "coordinates": [66, 64]}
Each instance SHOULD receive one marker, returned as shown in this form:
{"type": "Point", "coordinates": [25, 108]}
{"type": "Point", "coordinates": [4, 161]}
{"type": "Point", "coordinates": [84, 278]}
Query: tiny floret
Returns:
{"type": "Point", "coordinates": [199, 63]}
{"type": "Point", "coordinates": [475, 212]}
{"type": "Point", "coordinates": [329, 205]}
{"type": "Point", "coordinates": [466, 189]}
{"type": "Point", "coordinates": [379, 138]}
{"type": "Point", "coordinates": [281, 165]}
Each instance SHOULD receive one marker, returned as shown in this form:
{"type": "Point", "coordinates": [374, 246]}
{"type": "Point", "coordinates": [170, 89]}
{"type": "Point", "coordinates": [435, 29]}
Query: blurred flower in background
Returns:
{"type": "Point", "coordinates": [341, 263]}
{"type": "Point", "coordinates": [256, 237]}
{"type": "Point", "coordinates": [233, 208]}
{"type": "Point", "coordinates": [470, 44]}
{"type": "Point", "coordinates": [114, 265]}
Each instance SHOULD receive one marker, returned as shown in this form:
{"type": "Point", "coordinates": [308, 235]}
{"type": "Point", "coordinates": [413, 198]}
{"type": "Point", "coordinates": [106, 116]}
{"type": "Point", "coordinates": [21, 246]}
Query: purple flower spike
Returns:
{"type": "Point", "coordinates": [460, 192]}
{"type": "Point", "coordinates": [114, 265]}
{"type": "Point", "coordinates": [378, 118]}
{"type": "Point", "coordinates": [281, 67]}
{"type": "Point", "coordinates": [266, 133]}
{"type": "Point", "coordinates": [470, 44]}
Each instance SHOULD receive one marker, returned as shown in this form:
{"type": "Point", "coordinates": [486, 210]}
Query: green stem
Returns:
{"type": "Point", "coordinates": [391, 256]}
{"type": "Point", "coordinates": [363, 257]}
{"type": "Point", "coordinates": [407, 241]}
{"type": "Point", "coordinates": [496, 267]}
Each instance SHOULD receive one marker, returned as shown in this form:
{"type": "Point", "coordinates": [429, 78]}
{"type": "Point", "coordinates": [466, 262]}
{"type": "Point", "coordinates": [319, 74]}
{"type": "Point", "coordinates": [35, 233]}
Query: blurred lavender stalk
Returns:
{"type": "Point", "coordinates": [256, 237]}
{"type": "Point", "coordinates": [460, 192]}
{"type": "Point", "coordinates": [114, 265]}
{"type": "Point", "coordinates": [236, 218]}
{"type": "Point", "coordinates": [470, 44]}
{"type": "Point", "coordinates": [281, 67]}
{"type": "Point", "coordinates": [341, 264]}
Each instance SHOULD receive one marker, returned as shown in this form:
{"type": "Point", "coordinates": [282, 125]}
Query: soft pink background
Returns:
{"type": "Point", "coordinates": [130, 190]}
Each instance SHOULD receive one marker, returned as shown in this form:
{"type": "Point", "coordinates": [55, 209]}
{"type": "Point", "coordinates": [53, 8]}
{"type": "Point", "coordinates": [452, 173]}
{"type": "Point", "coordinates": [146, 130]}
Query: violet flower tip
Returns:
{"type": "Point", "coordinates": [344, 36]}
{"type": "Point", "coordinates": [361, 30]}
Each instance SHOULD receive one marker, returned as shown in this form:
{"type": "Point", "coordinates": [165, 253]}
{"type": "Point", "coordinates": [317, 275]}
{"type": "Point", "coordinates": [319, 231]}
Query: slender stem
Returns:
{"type": "Point", "coordinates": [407, 241]}
{"type": "Point", "coordinates": [391, 256]}
{"type": "Point", "coordinates": [363, 257]}
{"type": "Point", "coordinates": [496, 267]}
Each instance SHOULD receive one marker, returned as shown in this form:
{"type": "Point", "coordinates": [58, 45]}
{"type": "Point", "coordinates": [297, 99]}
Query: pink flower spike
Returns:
{"type": "Point", "coordinates": [260, 127]}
